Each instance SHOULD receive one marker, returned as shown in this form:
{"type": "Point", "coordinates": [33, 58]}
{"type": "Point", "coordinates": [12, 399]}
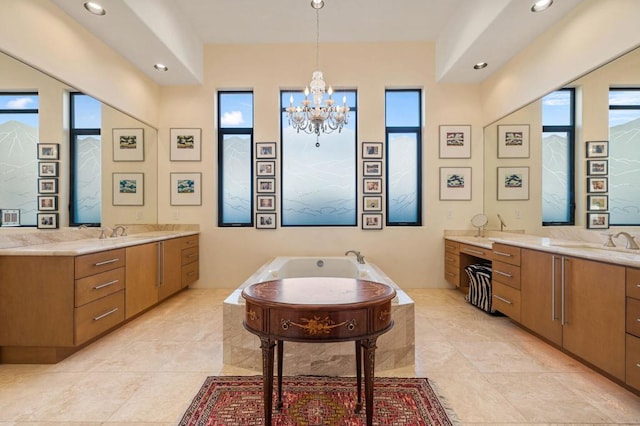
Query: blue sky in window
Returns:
{"type": "Point", "coordinates": [623, 97]}
{"type": "Point", "coordinates": [87, 112]}
{"type": "Point", "coordinates": [556, 109]}
{"type": "Point", "coordinates": [402, 108]}
{"type": "Point", "coordinates": [236, 109]}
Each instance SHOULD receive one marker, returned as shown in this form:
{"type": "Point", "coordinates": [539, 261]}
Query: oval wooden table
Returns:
{"type": "Point", "coordinates": [318, 310]}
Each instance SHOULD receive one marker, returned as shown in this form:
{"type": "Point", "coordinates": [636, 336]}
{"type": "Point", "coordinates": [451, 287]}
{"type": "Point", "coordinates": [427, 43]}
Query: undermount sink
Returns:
{"type": "Point", "coordinates": [591, 247]}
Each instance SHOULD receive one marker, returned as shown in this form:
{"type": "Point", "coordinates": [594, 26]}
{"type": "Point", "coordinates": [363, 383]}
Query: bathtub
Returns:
{"type": "Point", "coordinates": [395, 348]}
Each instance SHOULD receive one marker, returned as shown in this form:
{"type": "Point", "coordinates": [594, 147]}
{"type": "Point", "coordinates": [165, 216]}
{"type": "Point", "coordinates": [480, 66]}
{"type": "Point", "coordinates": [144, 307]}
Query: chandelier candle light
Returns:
{"type": "Point", "coordinates": [318, 115]}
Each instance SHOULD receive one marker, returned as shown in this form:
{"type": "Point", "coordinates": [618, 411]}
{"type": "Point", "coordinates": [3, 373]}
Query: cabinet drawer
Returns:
{"type": "Point", "coordinates": [321, 324]}
{"type": "Point", "coordinates": [96, 286]}
{"type": "Point", "coordinates": [95, 263]}
{"type": "Point", "coordinates": [506, 300]}
{"type": "Point", "coordinates": [633, 316]}
{"type": "Point", "coordinates": [99, 316]}
{"type": "Point", "coordinates": [506, 254]}
{"type": "Point", "coordinates": [452, 275]}
{"type": "Point", "coordinates": [190, 255]}
{"type": "Point", "coordinates": [633, 283]}
{"type": "Point", "coordinates": [452, 247]}
{"type": "Point", "coordinates": [506, 273]}
{"type": "Point", "coordinates": [452, 260]}
{"type": "Point", "coordinates": [190, 273]}
{"type": "Point", "coordinates": [633, 361]}
{"type": "Point", "coordinates": [188, 242]}
{"type": "Point", "coordinates": [475, 251]}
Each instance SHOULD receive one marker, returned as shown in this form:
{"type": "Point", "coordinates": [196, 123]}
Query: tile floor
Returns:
{"type": "Point", "coordinates": [145, 373]}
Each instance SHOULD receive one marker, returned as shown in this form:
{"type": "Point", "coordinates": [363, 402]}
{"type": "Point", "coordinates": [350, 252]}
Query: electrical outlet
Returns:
{"type": "Point", "coordinates": [517, 213]}
{"type": "Point", "coordinates": [449, 214]}
{"type": "Point", "coordinates": [138, 216]}
{"type": "Point", "coordinates": [176, 215]}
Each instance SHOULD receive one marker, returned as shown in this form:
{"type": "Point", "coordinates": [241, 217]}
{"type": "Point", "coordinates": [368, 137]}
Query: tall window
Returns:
{"type": "Point", "coordinates": [18, 151]}
{"type": "Point", "coordinates": [403, 120]}
{"type": "Point", "coordinates": [319, 173]}
{"type": "Point", "coordinates": [235, 158]}
{"type": "Point", "coordinates": [86, 165]}
{"type": "Point", "coordinates": [624, 156]}
{"type": "Point", "coordinates": [558, 142]}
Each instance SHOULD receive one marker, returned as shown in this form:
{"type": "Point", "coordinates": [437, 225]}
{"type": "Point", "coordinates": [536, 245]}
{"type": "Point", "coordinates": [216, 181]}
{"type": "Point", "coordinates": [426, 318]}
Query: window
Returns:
{"type": "Point", "coordinates": [319, 173]}
{"type": "Point", "coordinates": [558, 142]}
{"type": "Point", "coordinates": [235, 158]}
{"type": "Point", "coordinates": [85, 191]}
{"type": "Point", "coordinates": [18, 144]}
{"type": "Point", "coordinates": [403, 121]}
{"type": "Point", "coordinates": [624, 157]}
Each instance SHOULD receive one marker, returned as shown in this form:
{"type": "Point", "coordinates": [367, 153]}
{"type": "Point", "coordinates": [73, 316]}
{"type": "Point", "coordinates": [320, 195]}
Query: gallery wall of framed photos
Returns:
{"type": "Point", "coordinates": [597, 153]}
{"type": "Point", "coordinates": [48, 187]}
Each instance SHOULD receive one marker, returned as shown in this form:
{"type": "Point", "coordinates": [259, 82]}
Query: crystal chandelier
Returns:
{"type": "Point", "coordinates": [318, 115]}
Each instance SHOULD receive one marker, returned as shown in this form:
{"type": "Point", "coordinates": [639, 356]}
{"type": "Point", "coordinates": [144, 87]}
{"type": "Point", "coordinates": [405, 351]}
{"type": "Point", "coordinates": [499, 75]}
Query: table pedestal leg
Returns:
{"type": "Point", "coordinates": [267, 345]}
{"type": "Point", "coordinates": [359, 375]}
{"type": "Point", "coordinates": [280, 355]}
{"type": "Point", "coordinates": [369, 346]}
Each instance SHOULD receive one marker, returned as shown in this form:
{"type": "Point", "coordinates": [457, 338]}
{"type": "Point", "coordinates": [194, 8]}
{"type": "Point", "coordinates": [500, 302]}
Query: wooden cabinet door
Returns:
{"type": "Point", "coordinates": [594, 326]}
{"type": "Point", "coordinates": [540, 298]}
{"type": "Point", "coordinates": [171, 261]}
{"type": "Point", "coordinates": [141, 278]}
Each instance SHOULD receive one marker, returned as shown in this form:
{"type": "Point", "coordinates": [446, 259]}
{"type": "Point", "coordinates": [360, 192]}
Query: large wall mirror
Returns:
{"type": "Point", "coordinates": [34, 180]}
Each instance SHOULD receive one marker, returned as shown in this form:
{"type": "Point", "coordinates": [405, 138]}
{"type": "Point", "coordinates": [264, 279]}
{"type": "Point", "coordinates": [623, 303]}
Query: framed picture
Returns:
{"type": "Point", "coordinates": [265, 168]}
{"type": "Point", "coordinates": [47, 220]}
{"type": "Point", "coordinates": [513, 141]}
{"type": "Point", "coordinates": [47, 202]}
{"type": "Point", "coordinates": [598, 202]}
{"type": "Point", "coordinates": [48, 169]}
{"type": "Point", "coordinates": [128, 144]}
{"type": "Point", "coordinates": [128, 189]}
{"type": "Point", "coordinates": [186, 189]}
{"type": "Point", "coordinates": [371, 149]}
{"type": "Point", "coordinates": [597, 167]}
{"type": "Point", "coordinates": [372, 203]}
{"type": "Point", "coordinates": [266, 220]}
{"type": "Point", "coordinates": [597, 220]}
{"type": "Point", "coordinates": [597, 149]}
{"type": "Point", "coordinates": [597, 184]}
{"type": "Point", "coordinates": [265, 150]}
{"type": "Point", "coordinates": [185, 144]}
{"type": "Point", "coordinates": [10, 217]}
{"type": "Point", "coordinates": [372, 168]}
{"type": "Point", "coordinates": [455, 141]}
{"type": "Point", "coordinates": [48, 151]}
{"type": "Point", "coordinates": [372, 186]}
{"type": "Point", "coordinates": [266, 185]}
{"type": "Point", "coordinates": [372, 221]}
{"type": "Point", "coordinates": [47, 185]}
{"type": "Point", "coordinates": [266, 202]}
{"type": "Point", "coordinates": [513, 183]}
{"type": "Point", "coordinates": [455, 183]}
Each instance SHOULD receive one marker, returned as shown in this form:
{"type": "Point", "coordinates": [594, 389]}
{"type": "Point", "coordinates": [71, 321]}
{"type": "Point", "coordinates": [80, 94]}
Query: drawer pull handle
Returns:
{"type": "Point", "coordinates": [192, 255]}
{"type": "Point", "coordinates": [508, 302]}
{"type": "Point", "coordinates": [450, 259]}
{"type": "Point", "coordinates": [451, 274]}
{"type": "Point", "coordinates": [192, 242]}
{"type": "Point", "coordinates": [98, 287]}
{"type": "Point", "coordinates": [473, 251]}
{"type": "Point", "coordinates": [192, 273]}
{"type": "Point", "coordinates": [638, 285]}
{"type": "Point", "coordinates": [504, 274]}
{"type": "Point", "coordinates": [106, 262]}
{"type": "Point", "coordinates": [106, 314]}
{"type": "Point", "coordinates": [451, 247]}
{"type": "Point", "coordinates": [501, 253]}
{"type": "Point", "coordinates": [638, 365]}
{"type": "Point", "coordinates": [638, 319]}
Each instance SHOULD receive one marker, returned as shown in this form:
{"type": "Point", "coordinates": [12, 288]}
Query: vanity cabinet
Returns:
{"type": "Point", "coordinates": [457, 256]}
{"type": "Point", "coordinates": [633, 328]}
{"type": "Point", "coordinates": [452, 262]}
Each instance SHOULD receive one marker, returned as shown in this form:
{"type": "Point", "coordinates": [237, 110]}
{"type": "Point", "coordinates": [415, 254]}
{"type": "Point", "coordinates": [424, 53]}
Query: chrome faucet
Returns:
{"type": "Point", "coordinates": [631, 243]}
{"type": "Point", "coordinates": [114, 234]}
{"type": "Point", "coordinates": [502, 224]}
{"type": "Point", "coordinates": [359, 257]}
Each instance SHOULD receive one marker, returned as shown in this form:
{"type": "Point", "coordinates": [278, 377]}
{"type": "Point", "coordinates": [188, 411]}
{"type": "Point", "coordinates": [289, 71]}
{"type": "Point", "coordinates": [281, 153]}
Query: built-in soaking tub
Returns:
{"type": "Point", "coordinates": [395, 348]}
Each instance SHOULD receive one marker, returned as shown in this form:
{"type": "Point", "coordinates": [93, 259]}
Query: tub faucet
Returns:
{"type": "Point", "coordinates": [115, 231]}
{"type": "Point", "coordinates": [359, 257]}
{"type": "Point", "coordinates": [631, 243]}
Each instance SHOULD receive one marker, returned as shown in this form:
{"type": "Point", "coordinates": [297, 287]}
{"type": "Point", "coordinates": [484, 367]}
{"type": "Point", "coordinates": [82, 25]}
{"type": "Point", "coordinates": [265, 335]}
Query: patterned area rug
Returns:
{"type": "Point", "coordinates": [310, 400]}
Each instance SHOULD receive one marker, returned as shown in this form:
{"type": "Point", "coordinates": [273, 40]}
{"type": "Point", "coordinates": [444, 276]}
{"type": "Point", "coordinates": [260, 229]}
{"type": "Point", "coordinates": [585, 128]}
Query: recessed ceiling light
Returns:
{"type": "Point", "coordinates": [161, 67]}
{"type": "Point", "coordinates": [317, 4]}
{"type": "Point", "coordinates": [94, 8]}
{"type": "Point", "coordinates": [480, 65]}
{"type": "Point", "coordinates": [541, 5]}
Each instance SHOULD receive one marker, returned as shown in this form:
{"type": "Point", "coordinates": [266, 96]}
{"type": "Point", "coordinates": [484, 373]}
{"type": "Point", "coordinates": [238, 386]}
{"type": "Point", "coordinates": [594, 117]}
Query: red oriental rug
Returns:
{"type": "Point", "coordinates": [311, 400]}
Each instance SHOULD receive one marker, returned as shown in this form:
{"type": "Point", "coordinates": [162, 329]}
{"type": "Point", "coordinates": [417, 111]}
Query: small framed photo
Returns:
{"type": "Point", "coordinates": [265, 150]}
{"type": "Point", "coordinates": [598, 202]}
{"type": "Point", "coordinates": [185, 144]}
{"type": "Point", "coordinates": [372, 203]}
{"type": "Point", "coordinates": [597, 184]}
{"type": "Point", "coordinates": [47, 220]}
{"type": "Point", "coordinates": [48, 169]}
{"type": "Point", "coordinates": [47, 185]}
{"type": "Point", "coordinates": [455, 183]}
{"type": "Point", "coordinates": [265, 168]}
{"type": "Point", "coordinates": [10, 217]}
{"type": "Point", "coordinates": [372, 186]}
{"type": "Point", "coordinates": [513, 183]}
{"type": "Point", "coordinates": [597, 220]}
{"type": "Point", "coordinates": [48, 151]}
{"type": "Point", "coordinates": [266, 202]}
{"type": "Point", "coordinates": [372, 168]}
{"type": "Point", "coordinates": [372, 221]}
{"type": "Point", "coordinates": [266, 185]}
{"type": "Point", "coordinates": [597, 149]}
{"type": "Point", "coordinates": [513, 141]}
{"type": "Point", "coordinates": [455, 141]}
{"type": "Point", "coordinates": [266, 220]}
{"type": "Point", "coordinates": [47, 202]}
{"type": "Point", "coordinates": [128, 144]}
{"type": "Point", "coordinates": [372, 150]}
{"type": "Point", "coordinates": [186, 189]}
{"type": "Point", "coordinates": [128, 189]}
{"type": "Point", "coordinates": [597, 167]}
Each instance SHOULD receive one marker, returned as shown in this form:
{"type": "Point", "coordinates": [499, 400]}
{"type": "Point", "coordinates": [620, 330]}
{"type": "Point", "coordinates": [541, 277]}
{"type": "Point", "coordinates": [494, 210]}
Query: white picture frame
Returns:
{"type": "Point", "coordinates": [186, 144]}
{"type": "Point", "coordinates": [186, 189]}
{"type": "Point", "coordinates": [513, 141]}
{"type": "Point", "coordinates": [128, 189]}
{"type": "Point", "coordinates": [513, 183]}
{"type": "Point", "coordinates": [455, 183]}
{"type": "Point", "coordinates": [128, 144]}
{"type": "Point", "coordinates": [455, 141]}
